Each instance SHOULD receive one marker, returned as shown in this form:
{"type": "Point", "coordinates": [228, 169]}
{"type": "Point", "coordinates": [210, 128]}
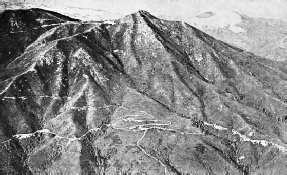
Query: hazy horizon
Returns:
{"type": "Point", "coordinates": [175, 9]}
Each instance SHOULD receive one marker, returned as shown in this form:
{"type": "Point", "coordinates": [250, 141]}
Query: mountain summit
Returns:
{"type": "Point", "coordinates": [138, 95]}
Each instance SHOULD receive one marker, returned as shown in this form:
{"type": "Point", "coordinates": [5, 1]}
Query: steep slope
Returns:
{"type": "Point", "coordinates": [20, 28]}
{"type": "Point", "coordinates": [140, 95]}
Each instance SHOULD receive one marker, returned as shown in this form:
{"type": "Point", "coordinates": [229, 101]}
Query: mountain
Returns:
{"type": "Point", "coordinates": [262, 32]}
{"type": "Point", "coordinates": [19, 30]}
{"type": "Point", "coordinates": [138, 95]}
{"type": "Point", "coordinates": [71, 9]}
{"type": "Point", "coordinates": [261, 36]}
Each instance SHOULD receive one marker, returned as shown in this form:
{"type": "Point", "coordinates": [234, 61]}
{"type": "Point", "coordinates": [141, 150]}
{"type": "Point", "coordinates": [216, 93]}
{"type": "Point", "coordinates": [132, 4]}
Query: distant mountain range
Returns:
{"type": "Point", "coordinates": [137, 95]}
{"type": "Point", "coordinates": [263, 37]}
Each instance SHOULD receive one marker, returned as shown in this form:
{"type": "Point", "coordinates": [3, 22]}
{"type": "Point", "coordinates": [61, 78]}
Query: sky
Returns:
{"type": "Point", "coordinates": [210, 13]}
{"type": "Point", "coordinates": [177, 9]}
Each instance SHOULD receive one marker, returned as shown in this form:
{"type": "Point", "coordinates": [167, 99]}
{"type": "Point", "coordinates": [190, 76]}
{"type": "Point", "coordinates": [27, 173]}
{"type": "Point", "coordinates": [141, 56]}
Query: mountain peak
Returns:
{"type": "Point", "coordinates": [143, 12]}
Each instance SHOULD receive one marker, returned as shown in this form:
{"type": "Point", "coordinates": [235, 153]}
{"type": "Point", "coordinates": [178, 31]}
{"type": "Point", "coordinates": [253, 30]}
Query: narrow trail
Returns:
{"type": "Point", "coordinates": [147, 154]}
{"type": "Point", "coordinates": [144, 125]}
{"type": "Point", "coordinates": [149, 125]}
